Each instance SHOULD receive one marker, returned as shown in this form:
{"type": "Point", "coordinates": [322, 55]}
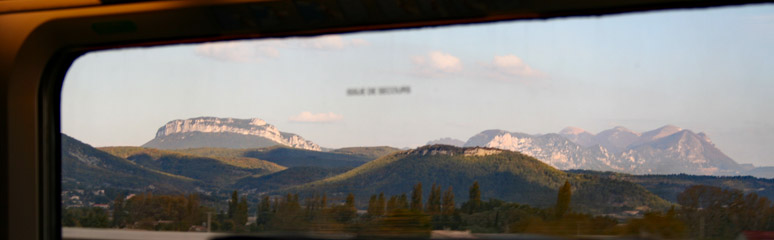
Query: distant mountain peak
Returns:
{"type": "Point", "coordinates": [670, 126]}
{"type": "Point", "coordinates": [572, 131]}
{"type": "Point", "coordinates": [225, 132]}
{"type": "Point", "coordinates": [669, 129]}
{"type": "Point", "coordinates": [666, 150]}
{"type": "Point", "coordinates": [624, 129]}
{"type": "Point", "coordinates": [661, 132]}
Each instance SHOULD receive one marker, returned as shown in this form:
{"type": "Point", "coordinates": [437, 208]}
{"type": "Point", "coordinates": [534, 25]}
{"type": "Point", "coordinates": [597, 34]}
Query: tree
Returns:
{"type": "Point", "coordinates": [221, 222]}
{"type": "Point", "coordinates": [350, 202]}
{"type": "Point", "coordinates": [449, 216]}
{"type": "Point", "coordinates": [193, 212]}
{"type": "Point", "coordinates": [448, 202]}
{"type": "Point", "coordinates": [403, 202]}
{"type": "Point", "coordinates": [314, 206]}
{"type": "Point", "coordinates": [264, 211]}
{"type": "Point", "coordinates": [275, 205]}
{"type": "Point", "coordinates": [563, 199]}
{"type": "Point", "coordinates": [376, 205]}
{"type": "Point", "coordinates": [90, 217]}
{"type": "Point", "coordinates": [119, 213]}
{"type": "Point", "coordinates": [324, 201]}
{"type": "Point", "coordinates": [232, 205]}
{"type": "Point", "coordinates": [240, 215]}
{"type": "Point", "coordinates": [95, 218]}
{"type": "Point", "coordinates": [380, 204]}
{"type": "Point", "coordinates": [416, 198]}
{"type": "Point", "coordinates": [372, 206]}
{"type": "Point", "coordinates": [392, 204]}
{"type": "Point", "coordinates": [345, 213]}
{"type": "Point", "coordinates": [289, 215]}
{"type": "Point", "coordinates": [474, 202]}
{"type": "Point", "coordinates": [656, 224]}
{"type": "Point", "coordinates": [713, 212]}
{"type": "Point", "coordinates": [434, 200]}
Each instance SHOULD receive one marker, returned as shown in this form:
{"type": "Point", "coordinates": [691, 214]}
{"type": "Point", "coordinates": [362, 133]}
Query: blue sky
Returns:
{"type": "Point", "coordinates": [708, 70]}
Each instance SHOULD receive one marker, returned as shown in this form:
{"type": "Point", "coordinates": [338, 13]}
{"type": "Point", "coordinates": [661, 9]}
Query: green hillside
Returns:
{"type": "Point", "coordinates": [218, 172]}
{"type": "Point", "coordinates": [285, 156]}
{"type": "Point", "coordinates": [231, 159]}
{"type": "Point", "coordinates": [283, 179]}
{"type": "Point", "coordinates": [505, 175]}
{"type": "Point", "coordinates": [86, 167]}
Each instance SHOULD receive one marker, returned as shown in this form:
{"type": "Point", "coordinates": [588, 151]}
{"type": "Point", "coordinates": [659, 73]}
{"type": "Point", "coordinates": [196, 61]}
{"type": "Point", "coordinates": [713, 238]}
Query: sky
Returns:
{"type": "Point", "coordinates": [707, 70]}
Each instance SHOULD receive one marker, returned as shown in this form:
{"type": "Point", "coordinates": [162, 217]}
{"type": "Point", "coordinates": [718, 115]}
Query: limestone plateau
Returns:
{"type": "Point", "coordinates": [225, 133]}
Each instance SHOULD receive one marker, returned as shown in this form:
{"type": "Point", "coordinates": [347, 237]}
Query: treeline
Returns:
{"type": "Point", "coordinates": [705, 212]}
{"type": "Point", "coordinates": [712, 212]}
{"type": "Point", "coordinates": [398, 214]}
{"type": "Point", "coordinates": [142, 211]}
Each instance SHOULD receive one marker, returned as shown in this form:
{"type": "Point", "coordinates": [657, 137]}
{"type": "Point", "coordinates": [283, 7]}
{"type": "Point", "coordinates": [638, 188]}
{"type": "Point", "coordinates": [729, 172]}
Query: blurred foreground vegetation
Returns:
{"type": "Point", "coordinates": [704, 212]}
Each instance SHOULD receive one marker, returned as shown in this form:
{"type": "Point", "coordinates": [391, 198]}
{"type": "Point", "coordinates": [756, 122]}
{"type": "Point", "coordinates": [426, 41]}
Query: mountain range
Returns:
{"type": "Point", "coordinates": [612, 171]}
{"type": "Point", "coordinates": [666, 150]}
{"type": "Point", "coordinates": [503, 174]}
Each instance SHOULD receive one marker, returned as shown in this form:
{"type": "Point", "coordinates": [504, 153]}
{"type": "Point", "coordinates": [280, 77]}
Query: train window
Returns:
{"type": "Point", "coordinates": [649, 124]}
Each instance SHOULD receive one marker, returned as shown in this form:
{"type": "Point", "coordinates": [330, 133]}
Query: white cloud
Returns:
{"type": "Point", "coordinates": [240, 51]}
{"type": "Point", "coordinates": [510, 66]}
{"type": "Point", "coordinates": [436, 63]}
{"type": "Point", "coordinates": [316, 117]}
{"type": "Point", "coordinates": [331, 42]}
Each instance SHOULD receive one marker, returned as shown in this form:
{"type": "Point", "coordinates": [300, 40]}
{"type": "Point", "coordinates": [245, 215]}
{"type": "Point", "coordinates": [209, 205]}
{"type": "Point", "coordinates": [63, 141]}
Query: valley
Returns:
{"type": "Point", "coordinates": [604, 172]}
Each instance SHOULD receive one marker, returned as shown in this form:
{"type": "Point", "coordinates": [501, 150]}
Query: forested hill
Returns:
{"type": "Point", "coordinates": [669, 186]}
{"type": "Point", "coordinates": [506, 175]}
{"type": "Point", "coordinates": [215, 172]}
{"type": "Point", "coordinates": [284, 179]}
{"type": "Point", "coordinates": [85, 166]}
{"type": "Point", "coordinates": [285, 156]}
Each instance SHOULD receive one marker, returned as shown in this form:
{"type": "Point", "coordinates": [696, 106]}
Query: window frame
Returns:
{"type": "Point", "coordinates": [50, 58]}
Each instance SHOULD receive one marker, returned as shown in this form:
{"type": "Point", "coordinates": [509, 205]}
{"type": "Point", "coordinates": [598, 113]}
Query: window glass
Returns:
{"type": "Point", "coordinates": [646, 124]}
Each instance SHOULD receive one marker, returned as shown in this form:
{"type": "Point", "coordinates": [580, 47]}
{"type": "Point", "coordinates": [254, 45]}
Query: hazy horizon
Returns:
{"type": "Point", "coordinates": [706, 70]}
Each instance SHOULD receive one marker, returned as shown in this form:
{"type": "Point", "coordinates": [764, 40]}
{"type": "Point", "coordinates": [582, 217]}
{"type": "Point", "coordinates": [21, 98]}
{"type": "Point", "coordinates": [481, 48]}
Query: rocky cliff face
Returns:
{"type": "Point", "coordinates": [552, 149]}
{"type": "Point", "coordinates": [219, 131]}
{"type": "Point", "coordinates": [666, 150]}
